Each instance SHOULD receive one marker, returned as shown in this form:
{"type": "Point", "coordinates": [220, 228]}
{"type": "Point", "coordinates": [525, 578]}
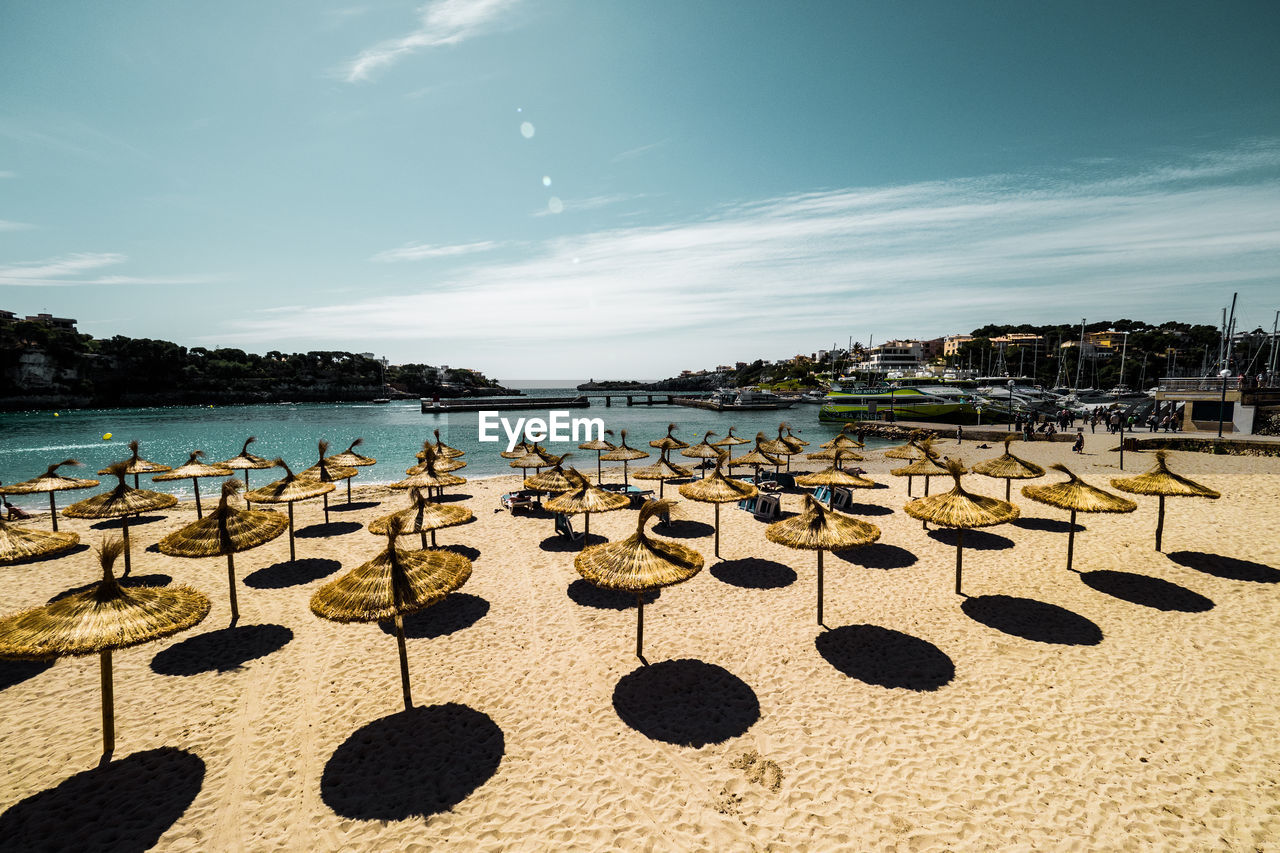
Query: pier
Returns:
{"type": "Point", "coordinates": [647, 398]}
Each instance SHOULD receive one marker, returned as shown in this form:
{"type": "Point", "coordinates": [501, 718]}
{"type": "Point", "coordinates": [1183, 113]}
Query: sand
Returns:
{"type": "Point", "coordinates": [1130, 706]}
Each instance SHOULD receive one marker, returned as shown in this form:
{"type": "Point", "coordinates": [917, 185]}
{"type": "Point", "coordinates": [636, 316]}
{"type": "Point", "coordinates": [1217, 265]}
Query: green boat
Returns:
{"type": "Point", "coordinates": [938, 403]}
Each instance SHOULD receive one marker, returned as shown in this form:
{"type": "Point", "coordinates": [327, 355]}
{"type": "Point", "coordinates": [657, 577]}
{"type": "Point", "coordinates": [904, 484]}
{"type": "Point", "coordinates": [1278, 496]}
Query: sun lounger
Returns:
{"type": "Point", "coordinates": [843, 497]}
{"type": "Point", "coordinates": [749, 504]}
{"type": "Point", "coordinates": [520, 500]}
{"type": "Point", "coordinates": [767, 508]}
{"type": "Point", "coordinates": [16, 513]}
{"type": "Point", "coordinates": [564, 527]}
{"type": "Point", "coordinates": [822, 494]}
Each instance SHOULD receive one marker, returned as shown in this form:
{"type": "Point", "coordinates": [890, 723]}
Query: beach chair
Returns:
{"type": "Point", "coordinates": [785, 480]}
{"type": "Point", "coordinates": [519, 500]}
{"type": "Point", "coordinates": [749, 504]}
{"type": "Point", "coordinates": [564, 527]}
{"type": "Point", "coordinates": [768, 485]}
{"type": "Point", "coordinates": [842, 499]}
{"type": "Point", "coordinates": [16, 513]}
{"type": "Point", "coordinates": [639, 496]}
{"type": "Point", "coordinates": [822, 494]}
{"type": "Point", "coordinates": [767, 508]}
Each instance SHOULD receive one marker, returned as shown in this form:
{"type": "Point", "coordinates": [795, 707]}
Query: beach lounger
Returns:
{"type": "Point", "coordinates": [519, 500]}
{"type": "Point", "coordinates": [564, 527]}
{"type": "Point", "coordinates": [16, 513]}
{"type": "Point", "coordinates": [767, 508]}
{"type": "Point", "coordinates": [843, 497]}
{"type": "Point", "coordinates": [749, 504]}
{"type": "Point", "coordinates": [822, 494]}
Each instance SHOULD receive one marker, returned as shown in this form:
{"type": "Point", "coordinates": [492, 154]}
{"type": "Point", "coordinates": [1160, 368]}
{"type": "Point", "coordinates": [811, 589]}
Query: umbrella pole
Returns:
{"type": "Point", "coordinates": [1071, 539]}
{"type": "Point", "coordinates": [599, 474]}
{"type": "Point", "coordinates": [624, 473]}
{"type": "Point", "coordinates": [433, 539]}
{"type": "Point", "coordinates": [292, 555]}
{"type": "Point", "coordinates": [348, 491]}
{"type": "Point", "coordinates": [639, 627]}
{"type": "Point", "coordinates": [926, 486]}
{"type": "Point", "coordinates": [586, 529]}
{"type": "Point", "coordinates": [231, 585]}
{"type": "Point", "coordinates": [661, 483]}
{"type": "Point", "coordinates": [717, 506]}
{"type": "Point", "coordinates": [135, 481]}
{"type": "Point", "coordinates": [1160, 521]}
{"type": "Point", "coordinates": [53, 512]}
{"type": "Point", "coordinates": [124, 526]}
{"type": "Point", "coordinates": [196, 482]}
{"type": "Point", "coordinates": [959, 556]}
{"type": "Point", "coordinates": [404, 663]}
{"type": "Point", "coordinates": [326, 507]}
{"type": "Point", "coordinates": [108, 704]}
{"type": "Point", "coordinates": [422, 534]}
{"type": "Point", "coordinates": [1007, 485]}
{"type": "Point", "coordinates": [819, 586]}
{"type": "Point", "coordinates": [246, 480]}
{"type": "Point", "coordinates": [909, 479]}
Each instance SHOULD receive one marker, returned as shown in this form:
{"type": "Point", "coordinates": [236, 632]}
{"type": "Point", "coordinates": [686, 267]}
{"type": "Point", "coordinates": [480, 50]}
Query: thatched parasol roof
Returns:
{"type": "Point", "coordinates": [927, 465]}
{"type": "Point", "coordinates": [716, 488]}
{"type": "Point", "coordinates": [1009, 467]}
{"type": "Point", "coordinates": [776, 446]}
{"type": "Point", "coordinates": [820, 529]}
{"type": "Point", "coordinates": [1161, 481]}
{"type": "Point", "coordinates": [790, 440]}
{"type": "Point", "coordinates": [552, 481]}
{"type": "Point", "coordinates": [23, 543]}
{"type": "Point", "coordinates": [961, 508]}
{"type": "Point", "coordinates": [702, 450]}
{"type": "Point", "coordinates": [138, 465]}
{"type": "Point", "coordinates": [394, 583]}
{"type": "Point", "coordinates": [535, 458]}
{"type": "Point", "coordinates": [226, 530]}
{"type": "Point", "coordinates": [441, 464]}
{"type": "Point", "coordinates": [444, 451]}
{"type": "Point", "coordinates": [104, 617]}
{"type": "Point", "coordinates": [349, 458]}
{"type": "Point", "coordinates": [49, 481]}
{"type": "Point", "coordinates": [842, 452]}
{"type": "Point", "coordinates": [193, 468]}
{"type": "Point", "coordinates": [120, 501]}
{"type": "Point", "coordinates": [430, 477]}
{"type": "Point", "coordinates": [639, 563]}
{"type": "Point", "coordinates": [582, 496]}
{"type": "Point", "coordinates": [325, 471]}
{"type": "Point", "coordinates": [663, 469]}
{"type": "Point", "coordinates": [834, 476]}
{"type": "Point", "coordinates": [758, 456]}
{"type": "Point", "coordinates": [598, 443]}
{"type": "Point", "coordinates": [623, 452]}
{"type": "Point", "coordinates": [423, 515]}
{"type": "Point", "coordinates": [844, 438]}
{"type": "Point", "coordinates": [669, 441]}
{"type": "Point", "coordinates": [1076, 495]}
{"type": "Point", "coordinates": [516, 452]}
{"type": "Point", "coordinates": [730, 440]}
{"type": "Point", "coordinates": [289, 488]}
{"type": "Point", "coordinates": [244, 460]}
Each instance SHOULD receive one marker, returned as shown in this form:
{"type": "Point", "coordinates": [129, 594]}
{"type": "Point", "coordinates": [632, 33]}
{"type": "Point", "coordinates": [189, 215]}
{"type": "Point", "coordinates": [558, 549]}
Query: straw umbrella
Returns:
{"type": "Point", "coordinates": [392, 585]}
{"type": "Point", "coordinates": [961, 510]}
{"type": "Point", "coordinates": [23, 543]}
{"type": "Point", "coordinates": [1076, 495]}
{"type": "Point", "coordinates": [820, 529]}
{"type": "Point", "coordinates": [100, 620]}
{"type": "Point", "coordinates": [756, 457]}
{"type": "Point", "coordinates": [516, 452]}
{"type": "Point", "coordinates": [536, 458]}
{"type": "Point", "coordinates": [225, 532]}
{"type": "Point", "coordinates": [552, 481]}
{"type": "Point", "coordinates": [839, 454]}
{"type": "Point", "coordinates": [288, 490]}
{"type": "Point", "coordinates": [926, 466]}
{"type": "Point", "coordinates": [598, 445]}
{"type": "Point", "coordinates": [443, 463]}
{"type": "Point", "coordinates": [121, 502]}
{"type": "Point", "coordinates": [730, 440]}
{"type": "Point", "coordinates": [663, 470]}
{"type": "Point", "coordinates": [444, 451]}
{"type": "Point", "coordinates": [718, 489]}
{"type": "Point", "coordinates": [639, 564]}
{"type": "Point", "coordinates": [246, 461]}
{"type": "Point", "coordinates": [792, 440]}
{"type": "Point", "coordinates": [910, 450]}
{"type": "Point", "coordinates": [350, 459]}
{"type": "Point", "coordinates": [423, 515]}
{"type": "Point", "coordinates": [703, 449]}
{"type": "Point", "coordinates": [624, 453]}
{"type": "Point", "coordinates": [50, 481]}
{"type": "Point", "coordinates": [669, 442]}
{"type": "Point", "coordinates": [1008, 467]}
{"type": "Point", "coordinates": [844, 439]}
{"type": "Point", "coordinates": [834, 477]}
{"type": "Point", "coordinates": [138, 465]}
{"type": "Point", "coordinates": [325, 471]}
{"type": "Point", "coordinates": [586, 498]}
{"type": "Point", "coordinates": [778, 447]}
{"type": "Point", "coordinates": [1163, 483]}
{"type": "Point", "coordinates": [429, 477]}
{"type": "Point", "coordinates": [193, 469]}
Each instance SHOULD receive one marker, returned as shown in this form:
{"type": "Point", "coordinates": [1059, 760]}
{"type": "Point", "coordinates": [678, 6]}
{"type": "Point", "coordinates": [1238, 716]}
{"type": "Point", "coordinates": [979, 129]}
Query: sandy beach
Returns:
{"type": "Point", "coordinates": [1129, 705]}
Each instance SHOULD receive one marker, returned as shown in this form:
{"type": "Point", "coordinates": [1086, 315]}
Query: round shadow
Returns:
{"type": "Point", "coordinates": [589, 595]}
{"type": "Point", "coordinates": [127, 582]}
{"type": "Point", "coordinates": [866, 509]}
{"type": "Point", "coordinates": [467, 551]}
{"type": "Point", "coordinates": [458, 610]}
{"type": "Point", "coordinates": [977, 540]}
{"type": "Point", "coordinates": [1147, 591]}
{"type": "Point", "coordinates": [1032, 620]}
{"type": "Point", "coordinates": [44, 558]}
{"type": "Point", "coordinates": [320, 531]}
{"type": "Point", "coordinates": [17, 671]}
{"type": "Point", "coordinates": [753, 573]}
{"type": "Point", "coordinates": [117, 523]}
{"type": "Point", "coordinates": [1230, 568]}
{"type": "Point", "coordinates": [886, 658]}
{"type": "Point", "coordinates": [353, 506]}
{"type": "Point", "coordinates": [291, 573]}
{"type": "Point", "coordinates": [560, 544]}
{"type": "Point", "coordinates": [686, 702]}
{"type": "Point", "coordinates": [1048, 525]}
{"type": "Point", "coordinates": [222, 650]}
{"type": "Point", "coordinates": [878, 555]}
{"type": "Point", "coordinates": [416, 763]}
{"type": "Point", "coordinates": [123, 805]}
{"type": "Point", "coordinates": [683, 528]}
{"type": "Point", "coordinates": [451, 497]}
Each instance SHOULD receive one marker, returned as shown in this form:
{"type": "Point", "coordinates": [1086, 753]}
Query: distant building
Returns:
{"type": "Point", "coordinates": [895, 355]}
{"type": "Point", "coordinates": [55, 322]}
{"type": "Point", "coordinates": [1019, 339]}
{"type": "Point", "coordinates": [933, 348]}
{"type": "Point", "coordinates": [8, 317]}
{"type": "Point", "coordinates": [723, 368]}
{"type": "Point", "coordinates": [951, 344]}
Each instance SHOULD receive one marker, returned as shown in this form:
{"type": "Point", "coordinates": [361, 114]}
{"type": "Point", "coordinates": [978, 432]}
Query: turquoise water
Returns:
{"type": "Point", "coordinates": [392, 433]}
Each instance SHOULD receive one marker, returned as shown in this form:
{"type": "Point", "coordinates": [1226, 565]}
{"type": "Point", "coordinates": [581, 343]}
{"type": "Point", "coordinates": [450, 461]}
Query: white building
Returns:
{"type": "Point", "coordinates": [895, 355]}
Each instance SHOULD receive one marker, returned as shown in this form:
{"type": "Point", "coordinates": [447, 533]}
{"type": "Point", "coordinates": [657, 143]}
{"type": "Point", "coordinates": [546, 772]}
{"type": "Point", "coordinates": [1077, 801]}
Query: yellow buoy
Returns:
{"type": "Point", "coordinates": [55, 414]}
{"type": "Point", "coordinates": [106, 436]}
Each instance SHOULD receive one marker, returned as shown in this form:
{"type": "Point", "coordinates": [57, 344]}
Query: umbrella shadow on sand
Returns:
{"type": "Point", "coordinates": [221, 651]}
{"type": "Point", "coordinates": [1032, 620]}
{"type": "Point", "coordinates": [1147, 591]}
{"type": "Point", "coordinates": [353, 506]}
{"type": "Point", "coordinates": [467, 551]}
{"type": "Point", "coordinates": [117, 523]}
{"type": "Point", "coordinates": [291, 573]}
{"type": "Point", "coordinates": [1230, 568]}
{"type": "Point", "coordinates": [589, 595]}
{"type": "Point", "coordinates": [17, 671]}
{"type": "Point", "coordinates": [885, 657]}
{"type": "Point", "coordinates": [451, 497]}
{"type": "Point", "coordinates": [416, 763]}
{"type": "Point", "coordinates": [126, 804]}
{"type": "Point", "coordinates": [879, 555]}
{"type": "Point", "coordinates": [866, 509]}
{"type": "Point", "coordinates": [683, 528]}
{"type": "Point", "coordinates": [754, 573]}
{"type": "Point", "coordinates": [976, 540]}
{"type": "Point", "coordinates": [1048, 525]}
{"type": "Point", "coordinates": [333, 528]}
{"type": "Point", "coordinates": [132, 581]}
{"type": "Point", "coordinates": [459, 610]}
{"type": "Point", "coordinates": [560, 544]}
{"type": "Point", "coordinates": [686, 702]}
{"type": "Point", "coordinates": [41, 558]}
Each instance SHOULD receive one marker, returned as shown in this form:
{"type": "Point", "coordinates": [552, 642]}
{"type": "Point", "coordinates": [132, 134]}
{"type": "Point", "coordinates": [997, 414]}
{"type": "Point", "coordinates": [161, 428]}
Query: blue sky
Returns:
{"type": "Point", "coordinates": [627, 189]}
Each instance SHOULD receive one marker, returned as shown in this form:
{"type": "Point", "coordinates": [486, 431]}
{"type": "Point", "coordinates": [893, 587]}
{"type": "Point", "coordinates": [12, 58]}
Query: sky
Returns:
{"type": "Point", "coordinates": [628, 189]}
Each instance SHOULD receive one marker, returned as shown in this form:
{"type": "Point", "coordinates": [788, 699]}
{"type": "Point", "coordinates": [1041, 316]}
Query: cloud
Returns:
{"type": "Point", "coordinates": [590, 203]}
{"type": "Point", "coordinates": [76, 269]}
{"type": "Point", "coordinates": [781, 275]}
{"type": "Point", "coordinates": [421, 251]}
{"type": "Point", "coordinates": [443, 22]}
{"type": "Point", "coordinates": [7, 225]}
{"type": "Point", "coordinates": [632, 153]}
